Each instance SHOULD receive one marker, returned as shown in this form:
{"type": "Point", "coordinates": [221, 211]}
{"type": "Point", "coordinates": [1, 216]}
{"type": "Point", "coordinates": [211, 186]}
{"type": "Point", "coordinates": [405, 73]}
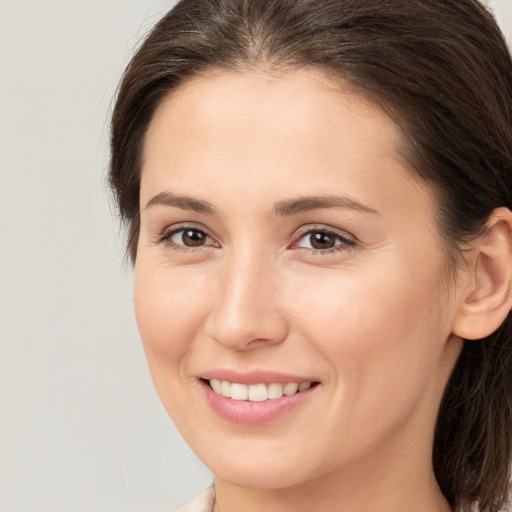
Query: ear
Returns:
{"type": "Point", "coordinates": [486, 297]}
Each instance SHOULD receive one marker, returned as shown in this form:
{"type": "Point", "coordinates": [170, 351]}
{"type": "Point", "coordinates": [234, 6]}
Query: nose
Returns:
{"type": "Point", "coordinates": [247, 312]}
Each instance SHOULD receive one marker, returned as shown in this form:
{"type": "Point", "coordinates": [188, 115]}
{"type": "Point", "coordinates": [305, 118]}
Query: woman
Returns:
{"type": "Point", "coordinates": [318, 199]}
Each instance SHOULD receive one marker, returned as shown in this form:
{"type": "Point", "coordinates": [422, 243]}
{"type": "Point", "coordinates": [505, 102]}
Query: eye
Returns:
{"type": "Point", "coordinates": [190, 237]}
{"type": "Point", "coordinates": [323, 240]}
{"type": "Point", "coordinates": [183, 238]}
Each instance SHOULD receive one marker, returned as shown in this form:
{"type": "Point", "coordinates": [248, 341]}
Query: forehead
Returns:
{"type": "Point", "coordinates": [255, 132]}
{"type": "Point", "coordinates": [302, 102]}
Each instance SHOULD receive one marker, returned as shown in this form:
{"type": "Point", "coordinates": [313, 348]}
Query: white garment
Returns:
{"type": "Point", "coordinates": [203, 503]}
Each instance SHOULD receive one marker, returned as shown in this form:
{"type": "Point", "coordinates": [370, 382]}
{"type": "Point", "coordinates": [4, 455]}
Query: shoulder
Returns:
{"type": "Point", "coordinates": [203, 503]}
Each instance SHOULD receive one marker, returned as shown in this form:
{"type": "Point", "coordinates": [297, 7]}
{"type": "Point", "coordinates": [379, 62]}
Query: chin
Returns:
{"type": "Point", "coordinates": [251, 463]}
{"type": "Point", "coordinates": [265, 475]}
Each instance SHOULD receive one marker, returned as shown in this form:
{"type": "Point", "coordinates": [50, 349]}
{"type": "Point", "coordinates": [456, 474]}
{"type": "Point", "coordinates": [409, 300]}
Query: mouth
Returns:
{"type": "Point", "coordinates": [257, 396]}
{"type": "Point", "coordinates": [257, 392]}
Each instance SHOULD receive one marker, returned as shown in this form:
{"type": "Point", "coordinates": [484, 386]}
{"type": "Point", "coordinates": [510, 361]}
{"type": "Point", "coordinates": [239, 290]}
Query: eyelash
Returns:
{"type": "Point", "coordinates": [167, 234]}
{"type": "Point", "coordinates": [347, 242]}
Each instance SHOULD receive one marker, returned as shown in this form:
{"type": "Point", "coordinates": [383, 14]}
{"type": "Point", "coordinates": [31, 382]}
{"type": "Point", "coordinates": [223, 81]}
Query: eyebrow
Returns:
{"type": "Point", "coordinates": [282, 208]}
{"type": "Point", "coordinates": [305, 204]}
{"type": "Point", "coordinates": [182, 202]}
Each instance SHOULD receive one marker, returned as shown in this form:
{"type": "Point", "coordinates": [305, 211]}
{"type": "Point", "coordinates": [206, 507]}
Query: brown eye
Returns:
{"type": "Point", "coordinates": [190, 237]}
{"type": "Point", "coordinates": [321, 240]}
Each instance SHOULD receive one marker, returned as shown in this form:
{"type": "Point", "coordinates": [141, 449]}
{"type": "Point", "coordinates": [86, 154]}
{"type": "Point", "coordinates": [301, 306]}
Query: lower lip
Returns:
{"type": "Point", "coordinates": [253, 413]}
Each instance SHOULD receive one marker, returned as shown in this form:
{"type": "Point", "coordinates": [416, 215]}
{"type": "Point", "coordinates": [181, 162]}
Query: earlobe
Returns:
{"type": "Point", "coordinates": [487, 298]}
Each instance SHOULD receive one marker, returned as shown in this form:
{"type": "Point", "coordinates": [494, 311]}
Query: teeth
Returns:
{"type": "Point", "coordinates": [216, 386]}
{"type": "Point", "coordinates": [275, 391]}
{"type": "Point", "coordinates": [304, 386]}
{"type": "Point", "coordinates": [290, 389]}
{"type": "Point", "coordinates": [226, 389]}
{"type": "Point", "coordinates": [256, 392]}
{"type": "Point", "coordinates": [239, 392]}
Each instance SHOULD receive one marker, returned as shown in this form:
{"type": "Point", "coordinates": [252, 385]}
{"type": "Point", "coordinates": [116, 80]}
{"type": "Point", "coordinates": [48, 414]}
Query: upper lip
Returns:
{"type": "Point", "coordinates": [254, 376]}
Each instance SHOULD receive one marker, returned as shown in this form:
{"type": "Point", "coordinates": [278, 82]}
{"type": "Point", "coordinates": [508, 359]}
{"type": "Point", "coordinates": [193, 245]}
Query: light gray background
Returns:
{"type": "Point", "coordinates": [81, 428]}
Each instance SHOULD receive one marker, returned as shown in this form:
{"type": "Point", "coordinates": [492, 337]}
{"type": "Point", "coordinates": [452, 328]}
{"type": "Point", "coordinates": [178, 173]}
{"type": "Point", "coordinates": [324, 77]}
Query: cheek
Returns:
{"type": "Point", "coordinates": [383, 332]}
{"type": "Point", "coordinates": [376, 334]}
{"type": "Point", "coordinates": [168, 308]}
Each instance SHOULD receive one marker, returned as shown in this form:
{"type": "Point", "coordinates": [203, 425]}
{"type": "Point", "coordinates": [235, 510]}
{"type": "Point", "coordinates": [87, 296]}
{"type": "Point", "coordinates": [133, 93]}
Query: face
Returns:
{"type": "Point", "coordinates": [284, 242]}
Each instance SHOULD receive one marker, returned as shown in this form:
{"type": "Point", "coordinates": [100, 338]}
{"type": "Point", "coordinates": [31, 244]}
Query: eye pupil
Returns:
{"type": "Point", "coordinates": [321, 240]}
{"type": "Point", "coordinates": [193, 238]}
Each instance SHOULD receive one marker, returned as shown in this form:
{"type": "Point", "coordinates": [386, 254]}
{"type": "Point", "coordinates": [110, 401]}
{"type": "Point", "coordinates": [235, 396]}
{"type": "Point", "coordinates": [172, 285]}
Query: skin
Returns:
{"type": "Point", "coordinates": [370, 319]}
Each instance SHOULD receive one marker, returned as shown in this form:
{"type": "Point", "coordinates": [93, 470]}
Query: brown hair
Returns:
{"type": "Point", "coordinates": [442, 70]}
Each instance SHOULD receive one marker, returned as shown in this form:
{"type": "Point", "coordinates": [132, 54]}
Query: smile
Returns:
{"type": "Point", "coordinates": [257, 392]}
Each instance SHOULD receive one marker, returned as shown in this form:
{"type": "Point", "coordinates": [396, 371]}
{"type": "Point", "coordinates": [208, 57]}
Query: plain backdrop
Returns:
{"type": "Point", "coordinates": [81, 428]}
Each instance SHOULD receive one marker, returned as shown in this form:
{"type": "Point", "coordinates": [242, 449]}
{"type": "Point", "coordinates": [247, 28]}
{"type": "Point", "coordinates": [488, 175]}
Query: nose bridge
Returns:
{"type": "Point", "coordinates": [247, 310]}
